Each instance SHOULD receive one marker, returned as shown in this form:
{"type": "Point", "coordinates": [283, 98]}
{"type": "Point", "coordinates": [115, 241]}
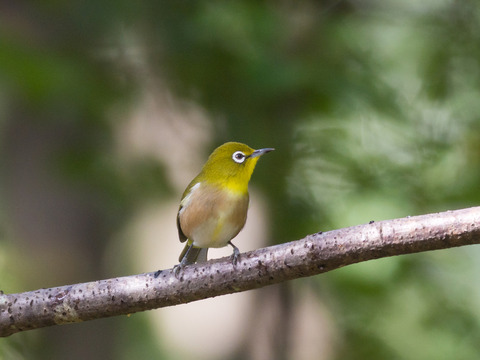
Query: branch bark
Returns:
{"type": "Point", "coordinates": [312, 255]}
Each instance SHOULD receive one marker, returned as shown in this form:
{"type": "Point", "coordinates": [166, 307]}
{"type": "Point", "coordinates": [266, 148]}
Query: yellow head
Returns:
{"type": "Point", "coordinates": [231, 165]}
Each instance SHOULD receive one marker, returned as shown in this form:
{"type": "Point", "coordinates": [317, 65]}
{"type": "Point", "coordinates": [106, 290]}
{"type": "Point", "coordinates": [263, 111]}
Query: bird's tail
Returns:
{"type": "Point", "coordinates": [193, 254]}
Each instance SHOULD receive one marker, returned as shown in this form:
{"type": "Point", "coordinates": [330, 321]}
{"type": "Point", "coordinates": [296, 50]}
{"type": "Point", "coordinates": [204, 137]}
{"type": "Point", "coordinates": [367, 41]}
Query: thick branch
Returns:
{"type": "Point", "coordinates": [315, 254]}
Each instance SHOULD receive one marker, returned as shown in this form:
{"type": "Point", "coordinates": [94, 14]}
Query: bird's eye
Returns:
{"type": "Point", "coordinates": [238, 157]}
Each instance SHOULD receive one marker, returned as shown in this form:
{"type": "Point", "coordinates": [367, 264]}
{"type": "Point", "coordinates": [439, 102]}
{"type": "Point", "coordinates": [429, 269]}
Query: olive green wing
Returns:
{"type": "Point", "coordinates": [190, 254]}
{"type": "Point", "coordinates": [181, 235]}
{"type": "Point", "coordinates": [187, 194]}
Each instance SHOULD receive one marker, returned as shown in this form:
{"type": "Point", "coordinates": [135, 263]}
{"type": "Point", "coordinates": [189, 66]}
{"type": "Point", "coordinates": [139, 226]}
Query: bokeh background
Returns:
{"type": "Point", "coordinates": [109, 108]}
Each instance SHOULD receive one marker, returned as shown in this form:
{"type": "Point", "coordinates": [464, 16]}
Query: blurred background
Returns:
{"type": "Point", "coordinates": [109, 108]}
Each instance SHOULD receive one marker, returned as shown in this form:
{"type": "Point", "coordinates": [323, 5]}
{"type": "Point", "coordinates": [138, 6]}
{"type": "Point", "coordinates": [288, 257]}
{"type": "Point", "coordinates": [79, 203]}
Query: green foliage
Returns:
{"type": "Point", "coordinates": [372, 107]}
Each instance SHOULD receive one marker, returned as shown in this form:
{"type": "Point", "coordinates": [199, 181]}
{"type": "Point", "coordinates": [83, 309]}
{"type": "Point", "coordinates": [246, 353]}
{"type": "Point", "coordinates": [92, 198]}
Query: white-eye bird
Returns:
{"type": "Point", "coordinates": [214, 205]}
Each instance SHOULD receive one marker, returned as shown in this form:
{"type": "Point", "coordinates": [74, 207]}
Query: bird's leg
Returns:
{"type": "Point", "coordinates": [236, 253]}
{"type": "Point", "coordinates": [183, 263]}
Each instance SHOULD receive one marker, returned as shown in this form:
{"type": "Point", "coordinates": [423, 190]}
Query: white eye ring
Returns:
{"type": "Point", "coordinates": [239, 157]}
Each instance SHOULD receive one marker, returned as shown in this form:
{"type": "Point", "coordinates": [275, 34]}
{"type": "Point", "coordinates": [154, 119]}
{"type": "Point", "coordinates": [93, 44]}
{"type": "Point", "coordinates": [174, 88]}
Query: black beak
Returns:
{"type": "Point", "coordinates": [260, 152]}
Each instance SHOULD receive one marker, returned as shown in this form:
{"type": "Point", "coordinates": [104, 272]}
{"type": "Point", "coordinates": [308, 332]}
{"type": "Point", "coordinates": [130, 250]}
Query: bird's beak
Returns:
{"type": "Point", "coordinates": [260, 152]}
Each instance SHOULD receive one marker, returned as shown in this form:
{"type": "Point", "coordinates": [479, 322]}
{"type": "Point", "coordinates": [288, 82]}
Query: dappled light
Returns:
{"type": "Point", "coordinates": [108, 110]}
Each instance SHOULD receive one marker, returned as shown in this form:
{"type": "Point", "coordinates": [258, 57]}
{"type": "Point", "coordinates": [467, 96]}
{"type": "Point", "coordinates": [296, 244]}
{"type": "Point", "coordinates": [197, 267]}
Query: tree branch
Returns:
{"type": "Point", "coordinates": [314, 254]}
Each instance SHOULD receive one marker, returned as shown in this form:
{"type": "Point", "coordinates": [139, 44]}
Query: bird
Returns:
{"type": "Point", "coordinates": [213, 208]}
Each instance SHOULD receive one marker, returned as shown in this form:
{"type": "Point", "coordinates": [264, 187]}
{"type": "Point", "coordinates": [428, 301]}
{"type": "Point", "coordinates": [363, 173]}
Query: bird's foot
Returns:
{"type": "Point", "coordinates": [177, 269]}
{"type": "Point", "coordinates": [236, 253]}
{"type": "Point", "coordinates": [184, 262]}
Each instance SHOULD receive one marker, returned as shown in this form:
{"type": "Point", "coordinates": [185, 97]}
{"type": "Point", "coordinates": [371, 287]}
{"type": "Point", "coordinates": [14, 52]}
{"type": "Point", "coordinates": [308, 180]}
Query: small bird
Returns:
{"type": "Point", "coordinates": [214, 205]}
